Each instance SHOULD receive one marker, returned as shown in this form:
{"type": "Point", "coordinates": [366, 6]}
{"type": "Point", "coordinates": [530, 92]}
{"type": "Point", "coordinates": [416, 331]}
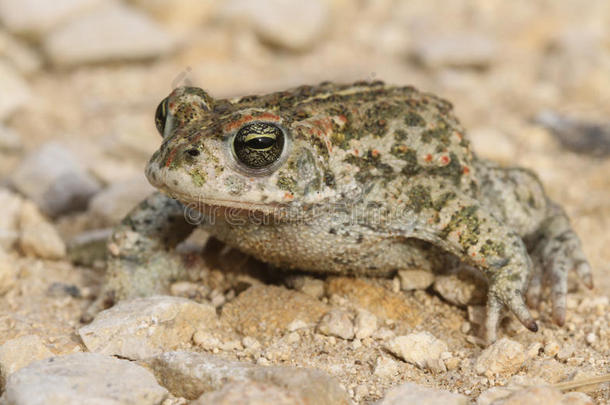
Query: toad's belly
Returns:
{"type": "Point", "coordinates": [324, 247]}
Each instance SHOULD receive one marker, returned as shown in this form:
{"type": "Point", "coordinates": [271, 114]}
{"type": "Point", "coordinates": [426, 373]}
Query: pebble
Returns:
{"type": "Point", "coordinates": [337, 323]}
{"type": "Point", "coordinates": [35, 17]}
{"type": "Point", "coordinates": [264, 310]}
{"type": "Point", "coordinates": [81, 377]}
{"type": "Point", "coordinates": [365, 324]}
{"type": "Point", "coordinates": [591, 338]}
{"type": "Point", "coordinates": [551, 348]}
{"type": "Point", "coordinates": [9, 220]}
{"type": "Point", "coordinates": [296, 325]}
{"type": "Point", "coordinates": [457, 50]}
{"type": "Point", "coordinates": [421, 349]}
{"type": "Point", "coordinates": [249, 393]}
{"type": "Point", "coordinates": [250, 343]}
{"type": "Point", "coordinates": [144, 327]}
{"type": "Point", "coordinates": [385, 367]}
{"type": "Point", "coordinates": [10, 141]}
{"type": "Point", "coordinates": [18, 353]}
{"type": "Point", "coordinates": [54, 180]}
{"type": "Point", "coordinates": [190, 374]}
{"type": "Point", "coordinates": [466, 287]}
{"type": "Point", "coordinates": [8, 272]}
{"type": "Point", "coordinates": [113, 31]}
{"type": "Point", "coordinates": [307, 285]}
{"type": "Point", "coordinates": [532, 396]}
{"type": "Point", "coordinates": [15, 91]}
{"type": "Point", "coordinates": [206, 341]}
{"type": "Point", "coordinates": [113, 203]}
{"type": "Point", "coordinates": [503, 357]}
{"type": "Point", "coordinates": [411, 393]}
{"type": "Point", "coordinates": [415, 279]}
{"type": "Point", "coordinates": [22, 57]}
{"type": "Point", "coordinates": [38, 237]}
{"type": "Point", "coordinates": [565, 352]}
{"type": "Point", "coordinates": [289, 24]}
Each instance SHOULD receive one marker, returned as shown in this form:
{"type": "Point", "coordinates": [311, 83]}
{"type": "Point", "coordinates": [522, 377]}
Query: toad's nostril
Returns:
{"type": "Point", "coordinates": [193, 152]}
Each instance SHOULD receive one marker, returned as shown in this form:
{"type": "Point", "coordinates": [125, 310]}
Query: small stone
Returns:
{"type": "Point", "coordinates": [36, 17]}
{"type": "Point", "coordinates": [38, 237]}
{"type": "Point", "coordinates": [385, 367]}
{"type": "Point", "coordinates": [551, 348]}
{"type": "Point", "coordinates": [415, 279]}
{"type": "Point", "coordinates": [262, 311]}
{"type": "Point", "coordinates": [421, 349]}
{"type": "Point", "coordinates": [144, 327]}
{"type": "Point", "coordinates": [365, 324]}
{"type": "Point", "coordinates": [465, 287]}
{"type": "Point", "coordinates": [532, 396]}
{"type": "Point", "coordinates": [411, 393]}
{"type": "Point", "coordinates": [83, 378]}
{"type": "Point", "coordinates": [452, 363]}
{"type": "Point", "coordinates": [15, 91]}
{"type": "Point", "coordinates": [21, 56]}
{"type": "Point", "coordinates": [565, 352]}
{"type": "Point", "coordinates": [533, 350]}
{"type": "Point", "coordinates": [307, 285]}
{"type": "Point", "coordinates": [54, 180]}
{"type": "Point", "coordinates": [290, 24]}
{"type": "Point", "coordinates": [591, 338]}
{"type": "Point", "coordinates": [113, 203]}
{"type": "Point", "coordinates": [8, 272]}
{"type": "Point", "coordinates": [337, 323]}
{"type": "Point", "coordinates": [576, 398]}
{"type": "Point", "coordinates": [296, 325]}
{"type": "Point", "coordinates": [205, 340]}
{"type": "Point", "coordinates": [10, 141]}
{"type": "Point", "coordinates": [250, 343]}
{"type": "Point", "coordinates": [9, 220]}
{"type": "Point", "coordinates": [293, 337]}
{"type": "Point", "coordinates": [113, 31]}
{"type": "Point", "coordinates": [249, 393]}
{"type": "Point", "coordinates": [503, 357]}
{"type": "Point", "coordinates": [18, 353]}
{"type": "Point", "coordinates": [206, 373]}
{"type": "Point", "coordinates": [457, 50]}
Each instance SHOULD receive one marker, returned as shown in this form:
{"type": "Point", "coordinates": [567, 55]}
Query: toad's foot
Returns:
{"type": "Point", "coordinates": [556, 251]}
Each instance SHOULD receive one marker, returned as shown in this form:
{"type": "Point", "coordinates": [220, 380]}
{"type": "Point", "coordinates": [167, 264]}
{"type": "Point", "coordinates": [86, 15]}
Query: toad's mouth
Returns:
{"type": "Point", "coordinates": [221, 206]}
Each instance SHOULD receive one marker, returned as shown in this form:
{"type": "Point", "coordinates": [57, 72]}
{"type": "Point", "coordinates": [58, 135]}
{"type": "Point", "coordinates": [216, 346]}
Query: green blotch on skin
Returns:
{"type": "Point", "coordinates": [440, 134]}
{"type": "Point", "coordinates": [468, 223]}
{"type": "Point", "coordinates": [453, 170]}
{"type": "Point", "coordinates": [419, 198]}
{"type": "Point", "coordinates": [286, 183]}
{"type": "Point", "coordinates": [199, 178]}
{"type": "Point", "coordinates": [490, 248]}
{"type": "Point", "coordinates": [413, 119]}
{"type": "Point", "coordinates": [440, 203]}
{"type": "Point", "coordinates": [401, 151]}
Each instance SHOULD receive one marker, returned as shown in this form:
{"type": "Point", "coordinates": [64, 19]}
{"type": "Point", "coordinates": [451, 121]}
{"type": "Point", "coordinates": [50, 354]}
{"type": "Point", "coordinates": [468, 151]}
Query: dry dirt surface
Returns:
{"type": "Point", "coordinates": [79, 84]}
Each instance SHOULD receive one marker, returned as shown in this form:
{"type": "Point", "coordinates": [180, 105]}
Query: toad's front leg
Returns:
{"type": "Point", "coordinates": [141, 260]}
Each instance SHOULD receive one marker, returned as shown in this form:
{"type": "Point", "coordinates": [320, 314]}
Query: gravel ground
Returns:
{"type": "Point", "coordinates": [79, 83]}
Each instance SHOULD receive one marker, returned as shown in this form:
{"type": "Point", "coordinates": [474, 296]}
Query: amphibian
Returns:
{"type": "Point", "coordinates": [361, 179]}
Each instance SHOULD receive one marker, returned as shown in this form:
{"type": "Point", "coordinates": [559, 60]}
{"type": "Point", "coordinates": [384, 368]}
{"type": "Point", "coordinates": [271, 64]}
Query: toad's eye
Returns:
{"type": "Point", "coordinates": [161, 115]}
{"type": "Point", "coordinates": [259, 144]}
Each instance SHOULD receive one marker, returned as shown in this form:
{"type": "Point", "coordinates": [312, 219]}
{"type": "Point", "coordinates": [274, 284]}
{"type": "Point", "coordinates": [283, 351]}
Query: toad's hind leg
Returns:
{"type": "Point", "coordinates": [468, 230]}
{"type": "Point", "coordinates": [141, 260]}
{"type": "Point", "coordinates": [557, 250]}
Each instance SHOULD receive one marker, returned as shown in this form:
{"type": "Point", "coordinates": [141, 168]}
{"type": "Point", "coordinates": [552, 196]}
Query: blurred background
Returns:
{"type": "Point", "coordinates": [80, 81]}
